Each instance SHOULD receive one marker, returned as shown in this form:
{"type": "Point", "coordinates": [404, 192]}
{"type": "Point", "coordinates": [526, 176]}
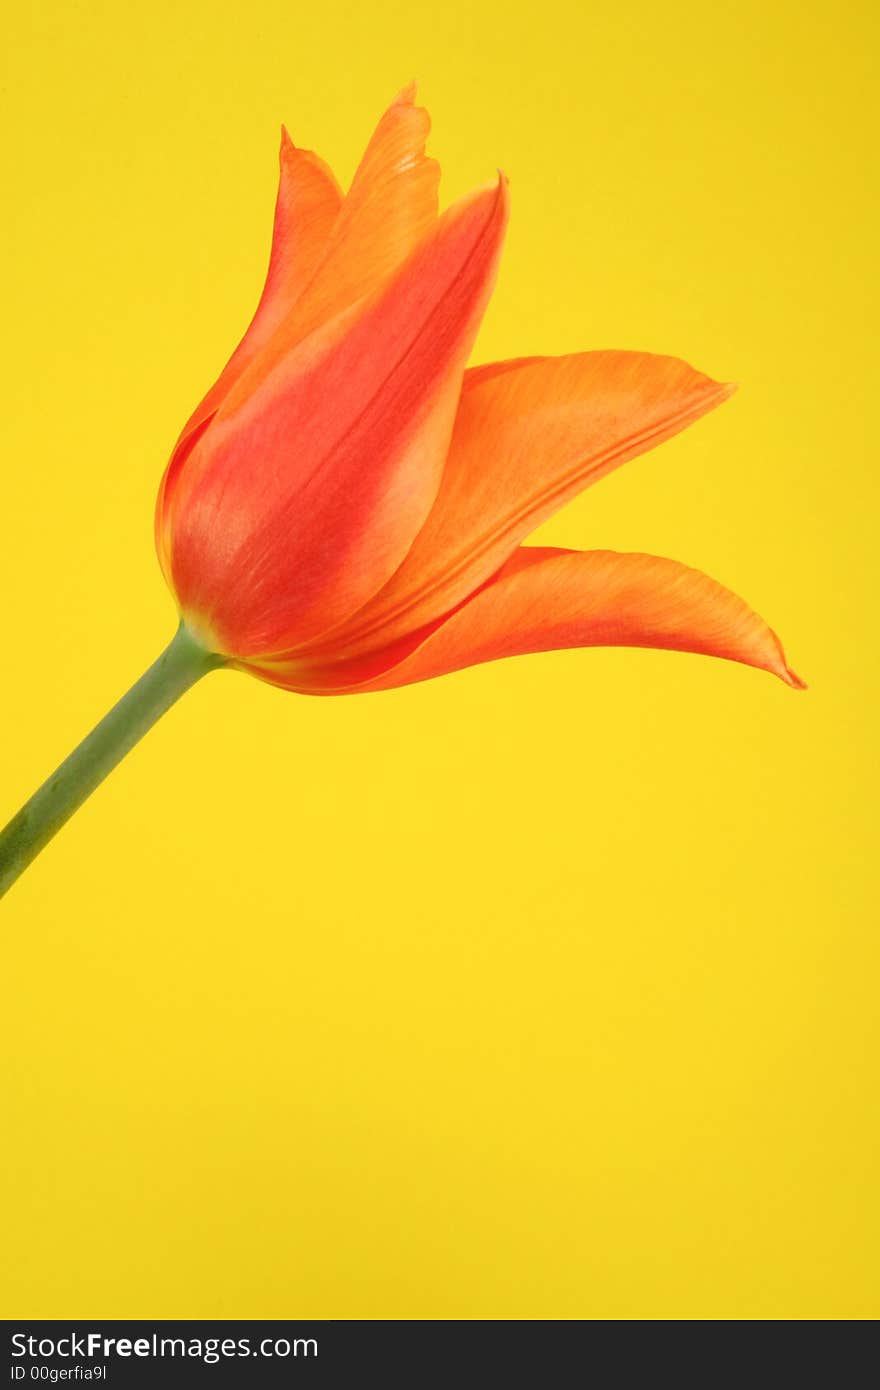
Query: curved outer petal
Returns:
{"type": "Point", "coordinates": [306, 208]}
{"type": "Point", "coordinates": [304, 496]}
{"type": "Point", "coordinates": [547, 598]}
{"type": "Point", "coordinates": [529, 435]}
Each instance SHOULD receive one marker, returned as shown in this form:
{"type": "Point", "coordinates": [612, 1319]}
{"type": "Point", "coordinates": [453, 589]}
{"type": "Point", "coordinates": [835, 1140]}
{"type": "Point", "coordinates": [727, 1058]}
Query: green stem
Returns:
{"type": "Point", "coordinates": [182, 663]}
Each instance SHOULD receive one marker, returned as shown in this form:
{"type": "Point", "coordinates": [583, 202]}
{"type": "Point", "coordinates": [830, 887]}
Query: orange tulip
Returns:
{"type": "Point", "coordinates": [345, 509]}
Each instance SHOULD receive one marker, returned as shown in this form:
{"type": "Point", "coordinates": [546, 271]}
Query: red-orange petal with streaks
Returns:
{"type": "Point", "coordinates": [305, 494]}
{"type": "Point", "coordinates": [546, 599]}
{"type": "Point", "coordinates": [529, 435]}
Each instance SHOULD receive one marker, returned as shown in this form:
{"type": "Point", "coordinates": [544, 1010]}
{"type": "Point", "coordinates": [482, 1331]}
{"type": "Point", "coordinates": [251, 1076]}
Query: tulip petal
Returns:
{"type": "Point", "coordinates": [545, 599]}
{"type": "Point", "coordinates": [529, 435]}
{"type": "Point", "coordinates": [306, 208]}
{"type": "Point", "coordinates": [389, 209]}
{"type": "Point", "coordinates": [318, 477]}
{"type": "Point", "coordinates": [327, 252]}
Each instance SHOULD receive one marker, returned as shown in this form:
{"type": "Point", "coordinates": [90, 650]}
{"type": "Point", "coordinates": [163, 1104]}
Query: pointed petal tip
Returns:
{"type": "Point", "coordinates": [288, 148]}
{"type": "Point", "coordinates": [778, 666]}
{"type": "Point", "coordinates": [501, 189]}
{"type": "Point", "coordinates": [291, 155]}
{"type": "Point", "coordinates": [792, 679]}
{"type": "Point", "coordinates": [499, 193]}
{"type": "Point", "coordinates": [407, 101]}
{"type": "Point", "coordinates": [494, 196]}
{"type": "Point", "coordinates": [407, 95]}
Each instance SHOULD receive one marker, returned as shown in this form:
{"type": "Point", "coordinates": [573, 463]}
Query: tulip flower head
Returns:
{"type": "Point", "coordinates": [346, 508]}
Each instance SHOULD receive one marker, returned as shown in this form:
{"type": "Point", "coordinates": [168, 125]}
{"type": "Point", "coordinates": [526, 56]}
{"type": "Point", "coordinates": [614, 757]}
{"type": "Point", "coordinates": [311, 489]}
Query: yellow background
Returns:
{"type": "Point", "coordinates": [545, 990]}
